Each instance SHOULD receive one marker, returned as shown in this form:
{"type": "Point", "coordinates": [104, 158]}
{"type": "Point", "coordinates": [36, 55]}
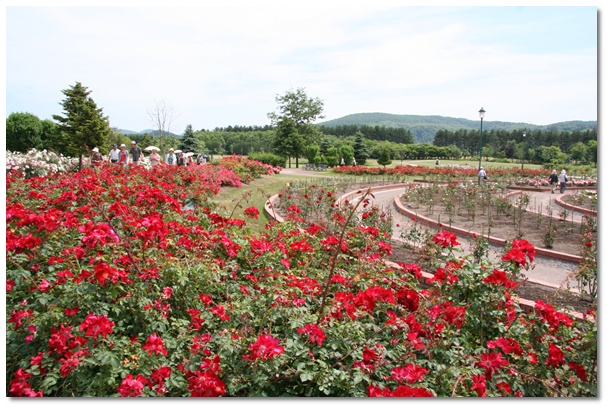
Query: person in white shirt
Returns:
{"type": "Point", "coordinates": [481, 176]}
{"type": "Point", "coordinates": [171, 158]}
{"type": "Point", "coordinates": [113, 155]}
{"type": "Point", "coordinates": [562, 179]}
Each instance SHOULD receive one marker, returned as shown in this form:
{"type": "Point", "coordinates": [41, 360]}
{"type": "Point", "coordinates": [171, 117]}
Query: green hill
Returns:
{"type": "Point", "coordinates": [424, 128]}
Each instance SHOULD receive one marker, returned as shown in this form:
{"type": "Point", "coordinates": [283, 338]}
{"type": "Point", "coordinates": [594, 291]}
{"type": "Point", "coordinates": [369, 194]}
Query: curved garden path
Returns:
{"type": "Point", "coordinates": [546, 271]}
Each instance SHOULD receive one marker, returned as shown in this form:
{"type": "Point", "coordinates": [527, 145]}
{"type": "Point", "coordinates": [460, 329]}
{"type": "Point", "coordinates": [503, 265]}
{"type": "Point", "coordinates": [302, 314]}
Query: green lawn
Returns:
{"type": "Point", "coordinates": [233, 200]}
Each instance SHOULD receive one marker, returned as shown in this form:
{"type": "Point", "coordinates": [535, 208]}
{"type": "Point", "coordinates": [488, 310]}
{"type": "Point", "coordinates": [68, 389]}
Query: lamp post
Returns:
{"type": "Point", "coordinates": [524, 150]}
{"type": "Point", "coordinates": [481, 128]}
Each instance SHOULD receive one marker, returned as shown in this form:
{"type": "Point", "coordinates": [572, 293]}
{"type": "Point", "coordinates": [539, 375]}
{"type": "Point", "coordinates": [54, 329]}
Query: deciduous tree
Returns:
{"type": "Point", "coordinates": [23, 132]}
{"type": "Point", "coordinates": [297, 108]}
{"type": "Point", "coordinates": [162, 115]}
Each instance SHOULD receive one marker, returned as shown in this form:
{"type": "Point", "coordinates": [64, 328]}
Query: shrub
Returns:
{"type": "Point", "coordinates": [268, 158]}
{"type": "Point", "coordinates": [114, 288]}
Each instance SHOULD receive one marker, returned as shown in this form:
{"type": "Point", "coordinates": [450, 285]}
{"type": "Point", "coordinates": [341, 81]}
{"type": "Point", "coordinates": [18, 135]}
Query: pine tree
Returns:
{"type": "Point", "coordinates": [360, 150]}
{"type": "Point", "coordinates": [83, 125]}
{"type": "Point", "coordinates": [385, 156]}
{"type": "Point", "coordinates": [188, 143]}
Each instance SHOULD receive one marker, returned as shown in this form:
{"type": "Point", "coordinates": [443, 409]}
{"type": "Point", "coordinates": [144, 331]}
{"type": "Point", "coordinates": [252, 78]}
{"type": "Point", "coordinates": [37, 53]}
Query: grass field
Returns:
{"type": "Point", "coordinates": [233, 200]}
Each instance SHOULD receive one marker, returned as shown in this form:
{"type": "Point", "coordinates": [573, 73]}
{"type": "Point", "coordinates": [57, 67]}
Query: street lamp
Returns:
{"type": "Point", "coordinates": [481, 128]}
{"type": "Point", "coordinates": [523, 150]}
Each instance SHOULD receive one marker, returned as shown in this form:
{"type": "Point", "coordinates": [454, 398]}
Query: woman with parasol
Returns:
{"type": "Point", "coordinates": [154, 158]}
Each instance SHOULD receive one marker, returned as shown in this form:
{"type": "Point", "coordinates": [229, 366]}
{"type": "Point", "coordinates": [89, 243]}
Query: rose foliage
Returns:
{"type": "Point", "coordinates": [115, 288]}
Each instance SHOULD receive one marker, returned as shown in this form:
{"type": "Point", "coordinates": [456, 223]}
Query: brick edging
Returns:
{"type": "Point", "coordinates": [466, 233]}
{"type": "Point", "coordinates": [581, 210]}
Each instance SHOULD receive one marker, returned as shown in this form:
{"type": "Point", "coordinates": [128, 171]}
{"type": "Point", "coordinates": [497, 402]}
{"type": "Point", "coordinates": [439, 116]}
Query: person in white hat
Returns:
{"type": "Point", "coordinates": [96, 157]}
{"type": "Point", "coordinates": [171, 158]}
{"type": "Point", "coordinates": [135, 152]}
{"type": "Point", "coordinates": [563, 179]}
{"type": "Point", "coordinates": [124, 156]}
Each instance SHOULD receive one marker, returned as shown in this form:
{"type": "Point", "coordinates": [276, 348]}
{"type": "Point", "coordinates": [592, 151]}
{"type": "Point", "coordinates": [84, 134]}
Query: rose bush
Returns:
{"type": "Point", "coordinates": [37, 163]}
{"type": "Point", "coordinates": [115, 288]}
{"type": "Point", "coordinates": [508, 175]}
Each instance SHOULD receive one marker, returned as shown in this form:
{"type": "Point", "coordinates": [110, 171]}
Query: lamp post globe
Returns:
{"type": "Point", "coordinates": [482, 112]}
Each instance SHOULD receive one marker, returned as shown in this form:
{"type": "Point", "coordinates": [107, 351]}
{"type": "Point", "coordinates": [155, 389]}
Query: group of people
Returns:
{"type": "Point", "coordinates": [121, 156]}
{"type": "Point", "coordinates": [554, 179]}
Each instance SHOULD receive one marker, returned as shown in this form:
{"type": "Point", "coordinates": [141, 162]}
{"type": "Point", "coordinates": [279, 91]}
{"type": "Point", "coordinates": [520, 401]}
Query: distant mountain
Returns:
{"type": "Point", "coordinates": [154, 133]}
{"type": "Point", "coordinates": [424, 128]}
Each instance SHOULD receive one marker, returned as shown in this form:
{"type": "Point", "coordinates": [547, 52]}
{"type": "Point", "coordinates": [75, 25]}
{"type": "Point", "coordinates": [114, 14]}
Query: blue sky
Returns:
{"type": "Point", "coordinates": [219, 66]}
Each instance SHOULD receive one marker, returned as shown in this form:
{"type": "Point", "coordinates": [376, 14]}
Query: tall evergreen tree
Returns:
{"type": "Point", "coordinates": [188, 141]}
{"type": "Point", "coordinates": [83, 126]}
{"type": "Point", "coordinates": [360, 149]}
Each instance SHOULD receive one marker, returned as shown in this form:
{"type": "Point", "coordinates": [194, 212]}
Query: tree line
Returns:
{"type": "Point", "coordinates": [292, 134]}
{"type": "Point", "coordinates": [377, 133]}
{"type": "Point", "coordinates": [538, 146]}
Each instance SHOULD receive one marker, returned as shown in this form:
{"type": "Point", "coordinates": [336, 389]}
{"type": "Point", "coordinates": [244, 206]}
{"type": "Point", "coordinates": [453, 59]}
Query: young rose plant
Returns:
{"type": "Point", "coordinates": [115, 288]}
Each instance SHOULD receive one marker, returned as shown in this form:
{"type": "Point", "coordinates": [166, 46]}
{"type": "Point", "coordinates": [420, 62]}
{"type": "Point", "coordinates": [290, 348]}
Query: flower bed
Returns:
{"type": "Point", "coordinates": [116, 288]}
{"type": "Point", "coordinates": [511, 176]}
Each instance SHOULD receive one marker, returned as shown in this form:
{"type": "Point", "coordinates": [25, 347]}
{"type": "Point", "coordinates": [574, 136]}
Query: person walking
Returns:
{"type": "Point", "coordinates": [135, 152]}
{"type": "Point", "coordinates": [154, 158]}
{"type": "Point", "coordinates": [171, 158]}
{"type": "Point", "coordinates": [481, 176]}
{"type": "Point", "coordinates": [553, 180]}
{"type": "Point", "coordinates": [113, 155]}
{"type": "Point", "coordinates": [563, 179]}
{"type": "Point", "coordinates": [123, 156]}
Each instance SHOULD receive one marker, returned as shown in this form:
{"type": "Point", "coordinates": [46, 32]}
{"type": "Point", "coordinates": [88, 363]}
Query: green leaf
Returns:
{"type": "Point", "coordinates": [306, 377]}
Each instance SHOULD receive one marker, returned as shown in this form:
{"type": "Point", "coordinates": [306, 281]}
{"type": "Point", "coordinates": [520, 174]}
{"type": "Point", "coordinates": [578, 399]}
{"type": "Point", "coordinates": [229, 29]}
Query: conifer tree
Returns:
{"type": "Point", "coordinates": [188, 141]}
{"type": "Point", "coordinates": [360, 150]}
{"type": "Point", "coordinates": [83, 125]}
